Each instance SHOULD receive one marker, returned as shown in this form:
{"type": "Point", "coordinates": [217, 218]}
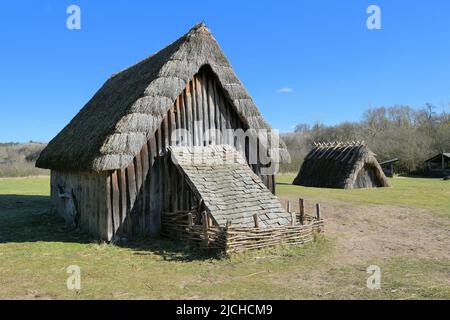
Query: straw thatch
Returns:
{"type": "Point", "coordinates": [115, 124]}
{"type": "Point", "coordinates": [341, 165]}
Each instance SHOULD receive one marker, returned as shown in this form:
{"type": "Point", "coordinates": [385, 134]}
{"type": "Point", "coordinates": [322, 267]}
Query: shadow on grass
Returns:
{"type": "Point", "coordinates": [26, 218]}
{"type": "Point", "coordinates": [284, 184]}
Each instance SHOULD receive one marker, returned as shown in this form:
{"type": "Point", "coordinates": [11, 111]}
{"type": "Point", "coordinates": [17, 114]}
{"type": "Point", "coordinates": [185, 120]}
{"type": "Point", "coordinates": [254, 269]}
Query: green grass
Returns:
{"type": "Point", "coordinates": [25, 186]}
{"type": "Point", "coordinates": [36, 248]}
{"type": "Point", "coordinates": [407, 192]}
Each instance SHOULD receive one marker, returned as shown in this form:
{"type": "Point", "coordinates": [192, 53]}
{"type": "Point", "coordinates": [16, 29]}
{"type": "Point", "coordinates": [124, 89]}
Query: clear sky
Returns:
{"type": "Point", "coordinates": [302, 61]}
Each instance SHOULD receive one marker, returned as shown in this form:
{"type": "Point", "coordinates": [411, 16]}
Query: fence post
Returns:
{"type": "Point", "coordinates": [289, 206]}
{"type": "Point", "coordinates": [318, 211]}
{"type": "Point", "coordinates": [293, 218]}
{"type": "Point", "coordinates": [256, 219]}
{"type": "Point", "coordinates": [190, 221]}
{"type": "Point", "coordinates": [205, 227]}
{"type": "Point", "coordinates": [301, 204]}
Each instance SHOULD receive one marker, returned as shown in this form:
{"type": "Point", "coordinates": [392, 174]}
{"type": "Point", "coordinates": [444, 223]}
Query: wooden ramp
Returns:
{"type": "Point", "coordinates": [230, 190]}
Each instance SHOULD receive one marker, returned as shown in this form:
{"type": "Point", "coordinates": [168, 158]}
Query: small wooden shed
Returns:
{"type": "Point", "coordinates": [388, 167]}
{"type": "Point", "coordinates": [110, 166]}
{"type": "Point", "coordinates": [439, 165]}
{"type": "Point", "coordinates": [341, 165]}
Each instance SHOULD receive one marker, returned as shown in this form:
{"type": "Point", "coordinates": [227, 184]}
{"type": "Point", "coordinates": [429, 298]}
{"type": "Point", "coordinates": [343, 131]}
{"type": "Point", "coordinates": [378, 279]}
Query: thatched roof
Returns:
{"type": "Point", "coordinates": [337, 165]}
{"type": "Point", "coordinates": [220, 176]}
{"type": "Point", "coordinates": [439, 157]}
{"type": "Point", "coordinates": [114, 125]}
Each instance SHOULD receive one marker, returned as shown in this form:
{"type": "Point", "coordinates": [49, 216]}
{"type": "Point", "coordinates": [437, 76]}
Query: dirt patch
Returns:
{"type": "Point", "coordinates": [366, 232]}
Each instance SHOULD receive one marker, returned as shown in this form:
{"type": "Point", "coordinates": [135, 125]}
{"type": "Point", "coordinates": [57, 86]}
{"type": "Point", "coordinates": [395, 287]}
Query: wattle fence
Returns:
{"type": "Point", "coordinates": [195, 228]}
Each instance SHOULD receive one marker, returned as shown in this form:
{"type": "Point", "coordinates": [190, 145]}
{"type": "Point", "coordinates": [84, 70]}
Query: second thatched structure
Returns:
{"type": "Point", "coordinates": [341, 165]}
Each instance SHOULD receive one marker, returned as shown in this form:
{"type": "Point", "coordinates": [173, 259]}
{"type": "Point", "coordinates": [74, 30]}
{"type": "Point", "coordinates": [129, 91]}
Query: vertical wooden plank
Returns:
{"type": "Point", "coordinates": [200, 111]}
{"type": "Point", "coordinates": [158, 141]}
{"type": "Point", "coordinates": [223, 116]}
{"type": "Point", "coordinates": [144, 189]}
{"type": "Point", "coordinates": [173, 127]}
{"type": "Point", "coordinates": [165, 132]}
{"type": "Point", "coordinates": [108, 219]}
{"type": "Point", "coordinates": [301, 204]}
{"type": "Point", "coordinates": [273, 184]}
{"type": "Point", "coordinates": [218, 113]}
{"type": "Point", "coordinates": [318, 211]}
{"type": "Point", "coordinates": [123, 200]}
{"type": "Point", "coordinates": [206, 133]}
{"type": "Point", "coordinates": [138, 205]}
{"type": "Point", "coordinates": [196, 137]}
{"type": "Point", "coordinates": [157, 186]}
{"type": "Point", "coordinates": [96, 195]}
{"type": "Point", "coordinates": [153, 178]}
{"type": "Point", "coordinates": [189, 114]}
{"type": "Point", "coordinates": [183, 119]}
{"type": "Point", "coordinates": [131, 197]}
{"type": "Point", "coordinates": [176, 138]}
{"type": "Point", "coordinates": [211, 109]}
{"type": "Point", "coordinates": [115, 202]}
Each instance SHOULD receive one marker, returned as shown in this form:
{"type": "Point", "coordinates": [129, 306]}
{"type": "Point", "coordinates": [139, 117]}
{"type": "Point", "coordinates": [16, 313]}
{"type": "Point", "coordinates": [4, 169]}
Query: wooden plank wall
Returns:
{"type": "Point", "coordinates": [88, 190]}
{"type": "Point", "coordinates": [135, 195]}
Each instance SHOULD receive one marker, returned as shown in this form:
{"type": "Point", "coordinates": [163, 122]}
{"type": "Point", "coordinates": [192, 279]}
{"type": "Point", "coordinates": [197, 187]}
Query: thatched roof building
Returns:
{"type": "Point", "coordinates": [110, 171]}
{"type": "Point", "coordinates": [439, 165]}
{"type": "Point", "coordinates": [341, 165]}
{"type": "Point", "coordinates": [116, 123]}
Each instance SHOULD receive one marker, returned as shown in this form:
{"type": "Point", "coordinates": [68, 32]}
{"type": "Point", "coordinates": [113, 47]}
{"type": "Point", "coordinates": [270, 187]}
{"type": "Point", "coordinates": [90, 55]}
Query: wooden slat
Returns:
{"type": "Point", "coordinates": [196, 138]}
{"type": "Point", "coordinates": [173, 127]}
{"type": "Point", "coordinates": [115, 202]}
{"type": "Point", "coordinates": [123, 200]}
{"type": "Point", "coordinates": [189, 114]}
{"type": "Point", "coordinates": [165, 132]}
{"type": "Point", "coordinates": [200, 110]}
{"type": "Point", "coordinates": [206, 126]}
{"type": "Point", "coordinates": [144, 188]}
{"type": "Point", "coordinates": [108, 225]}
{"type": "Point", "coordinates": [183, 119]}
{"type": "Point", "coordinates": [218, 113]}
{"type": "Point", "coordinates": [138, 204]}
{"type": "Point", "coordinates": [211, 110]}
{"type": "Point", "coordinates": [132, 195]}
{"type": "Point", "coordinates": [151, 144]}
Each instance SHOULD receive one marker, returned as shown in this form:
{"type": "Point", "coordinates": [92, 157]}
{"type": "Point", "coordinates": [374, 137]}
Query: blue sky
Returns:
{"type": "Point", "coordinates": [321, 49]}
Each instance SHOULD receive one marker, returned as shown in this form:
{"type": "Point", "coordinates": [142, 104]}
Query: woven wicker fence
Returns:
{"type": "Point", "coordinates": [187, 226]}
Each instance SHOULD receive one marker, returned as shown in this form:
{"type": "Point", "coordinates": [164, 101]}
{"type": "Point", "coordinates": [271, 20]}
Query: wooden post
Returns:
{"type": "Point", "coordinates": [318, 211]}
{"type": "Point", "coordinates": [289, 206]}
{"type": "Point", "coordinates": [292, 218]}
{"type": "Point", "coordinates": [301, 204]}
{"type": "Point", "coordinates": [205, 228]}
{"type": "Point", "coordinates": [190, 221]}
{"type": "Point", "coordinates": [255, 218]}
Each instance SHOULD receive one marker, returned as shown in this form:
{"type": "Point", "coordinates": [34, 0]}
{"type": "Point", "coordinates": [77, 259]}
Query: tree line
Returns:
{"type": "Point", "coordinates": [412, 135]}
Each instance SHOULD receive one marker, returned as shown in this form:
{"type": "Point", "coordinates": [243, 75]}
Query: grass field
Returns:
{"type": "Point", "coordinates": [406, 192]}
{"type": "Point", "coordinates": [405, 228]}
